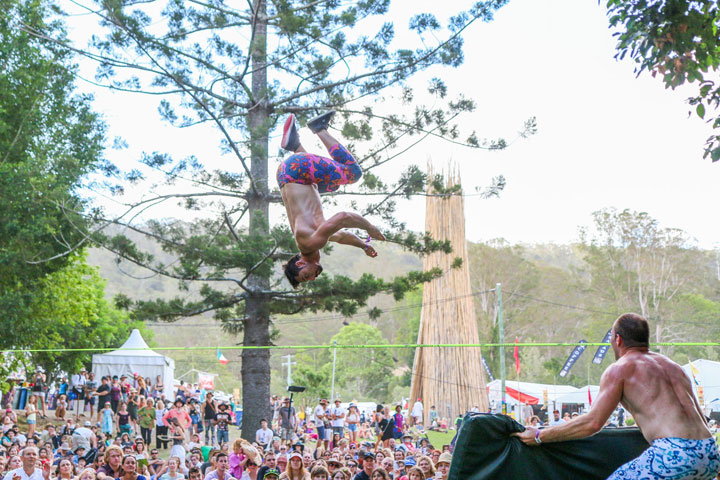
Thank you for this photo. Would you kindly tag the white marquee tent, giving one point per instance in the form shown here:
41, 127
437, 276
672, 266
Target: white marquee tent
526, 392
134, 357
708, 377
578, 397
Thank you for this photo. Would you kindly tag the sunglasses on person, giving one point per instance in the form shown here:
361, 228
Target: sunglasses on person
351, 465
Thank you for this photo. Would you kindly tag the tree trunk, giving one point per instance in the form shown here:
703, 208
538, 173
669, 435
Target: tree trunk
256, 363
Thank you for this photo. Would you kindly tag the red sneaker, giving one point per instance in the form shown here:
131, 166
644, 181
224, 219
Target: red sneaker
291, 137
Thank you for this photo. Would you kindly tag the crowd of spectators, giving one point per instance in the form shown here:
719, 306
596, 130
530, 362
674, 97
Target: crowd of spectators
105, 430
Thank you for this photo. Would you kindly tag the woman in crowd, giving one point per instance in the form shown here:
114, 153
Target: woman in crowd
352, 419
161, 431
65, 470
129, 469
295, 469
133, 405
122, 419
415, 474
146, 420
87, 474
426, 466
115, 394
61, 407
14, 462
443, 465
251, 471
142, 389
319, 472
31, 412
158, 388
380, 474
342, 474
125, 440
177, 434
171, 471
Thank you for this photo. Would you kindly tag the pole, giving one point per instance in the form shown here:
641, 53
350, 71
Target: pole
332, 388
501, 334
289, 365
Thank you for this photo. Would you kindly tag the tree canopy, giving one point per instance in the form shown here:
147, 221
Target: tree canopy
678, 40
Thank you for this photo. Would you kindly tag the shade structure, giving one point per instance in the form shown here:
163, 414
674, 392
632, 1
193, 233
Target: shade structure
451, 379
527, 392
579, 397
135, 357
708, 378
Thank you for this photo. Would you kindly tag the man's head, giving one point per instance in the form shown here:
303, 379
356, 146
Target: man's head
195, 474
221, 461
556, 414
369, 463
270, 459
263, 424
630, 330
300, 269
29, 457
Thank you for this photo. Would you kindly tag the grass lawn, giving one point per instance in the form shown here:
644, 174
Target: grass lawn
439, 439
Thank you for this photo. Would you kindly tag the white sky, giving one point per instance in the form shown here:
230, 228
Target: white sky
605, 139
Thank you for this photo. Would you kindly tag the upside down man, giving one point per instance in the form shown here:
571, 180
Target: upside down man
301, 178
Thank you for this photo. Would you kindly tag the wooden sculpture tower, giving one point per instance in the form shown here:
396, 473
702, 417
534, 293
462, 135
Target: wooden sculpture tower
451, 378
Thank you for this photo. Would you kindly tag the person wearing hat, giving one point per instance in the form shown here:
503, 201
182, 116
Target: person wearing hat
368, 465
353, 418
443, 464
288, 422
337, 415
320, 418
407, 444
222, 420
333, 465
295, 469
178, 411
84, 437
271, 474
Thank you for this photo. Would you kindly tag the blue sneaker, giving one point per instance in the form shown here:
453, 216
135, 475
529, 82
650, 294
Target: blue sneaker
321, 122
291, 137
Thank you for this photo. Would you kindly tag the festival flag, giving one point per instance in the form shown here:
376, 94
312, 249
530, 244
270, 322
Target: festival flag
221, 358
574, 355
487, 368
602, 349
694, 372
206, 381
589, 396
516, 354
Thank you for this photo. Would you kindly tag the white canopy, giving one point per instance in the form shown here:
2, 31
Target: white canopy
135, 357
708, 377
580, 396
526, 392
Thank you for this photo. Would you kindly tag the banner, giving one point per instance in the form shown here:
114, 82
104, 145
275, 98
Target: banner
516, 354
487, 369
602, 350
206, 381
574, 355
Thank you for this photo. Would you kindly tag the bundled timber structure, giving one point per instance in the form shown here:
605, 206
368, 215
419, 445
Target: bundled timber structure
452, 379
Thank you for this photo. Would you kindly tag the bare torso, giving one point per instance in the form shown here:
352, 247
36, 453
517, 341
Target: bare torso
659, 395
304, 211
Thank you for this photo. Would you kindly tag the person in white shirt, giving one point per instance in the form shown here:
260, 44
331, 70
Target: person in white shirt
556, 419
417, 412
264, 435
320, 417
28, 471
337, 414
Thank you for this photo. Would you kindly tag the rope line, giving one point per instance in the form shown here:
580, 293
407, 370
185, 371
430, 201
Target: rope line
380, 346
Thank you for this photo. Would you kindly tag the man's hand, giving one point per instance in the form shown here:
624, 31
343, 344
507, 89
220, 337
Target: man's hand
527, 437
370, 251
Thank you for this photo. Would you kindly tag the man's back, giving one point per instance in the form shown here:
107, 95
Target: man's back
659, 395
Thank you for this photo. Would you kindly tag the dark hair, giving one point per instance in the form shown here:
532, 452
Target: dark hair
193, 471
319, 470
220, 455
633, 329
292, 270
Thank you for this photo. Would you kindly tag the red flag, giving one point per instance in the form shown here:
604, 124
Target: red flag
516, 354
589, 396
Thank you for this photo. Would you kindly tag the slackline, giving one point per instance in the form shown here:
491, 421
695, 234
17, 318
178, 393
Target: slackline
381, 346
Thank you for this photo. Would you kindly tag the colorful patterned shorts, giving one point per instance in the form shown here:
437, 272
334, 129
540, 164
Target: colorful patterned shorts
673, 459
327, 173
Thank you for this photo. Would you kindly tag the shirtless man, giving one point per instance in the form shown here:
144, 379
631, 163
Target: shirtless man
301, 178
659, 395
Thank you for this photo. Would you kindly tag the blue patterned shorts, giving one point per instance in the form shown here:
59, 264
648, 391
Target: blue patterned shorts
673, 459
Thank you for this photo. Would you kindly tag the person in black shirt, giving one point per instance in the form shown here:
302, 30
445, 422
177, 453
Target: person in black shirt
103, 395
222, 420
368, 467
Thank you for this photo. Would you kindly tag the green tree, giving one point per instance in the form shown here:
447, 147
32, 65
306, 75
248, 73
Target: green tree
241, 69
678, 40
69, 310
363, 373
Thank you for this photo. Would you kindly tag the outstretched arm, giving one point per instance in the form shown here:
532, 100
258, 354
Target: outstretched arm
329, 227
